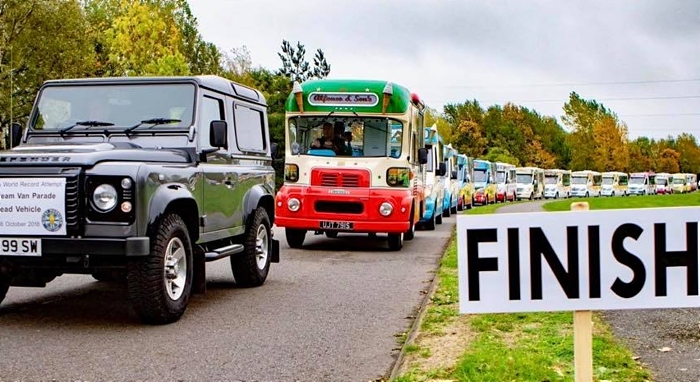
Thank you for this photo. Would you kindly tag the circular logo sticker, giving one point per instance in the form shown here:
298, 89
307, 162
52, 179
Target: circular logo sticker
52, 220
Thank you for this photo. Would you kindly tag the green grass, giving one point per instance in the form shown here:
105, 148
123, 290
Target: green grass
523, 346
649, 201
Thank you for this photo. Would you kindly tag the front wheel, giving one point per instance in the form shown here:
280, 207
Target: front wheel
159, 285
295, 237
250, 268
395, 241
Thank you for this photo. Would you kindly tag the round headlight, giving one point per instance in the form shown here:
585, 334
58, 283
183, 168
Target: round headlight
104, 197
385, 209
293, 204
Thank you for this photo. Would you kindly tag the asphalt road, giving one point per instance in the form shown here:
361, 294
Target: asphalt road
667, 341
328, 312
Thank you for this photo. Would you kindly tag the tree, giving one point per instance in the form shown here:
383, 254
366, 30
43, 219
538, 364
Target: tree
39, 40
689, 152
641, 153
611, 151
145, 40
296, 68
668, 161
497, 154
469, 139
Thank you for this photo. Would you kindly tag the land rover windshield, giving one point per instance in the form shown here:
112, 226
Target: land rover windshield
114, 106
354, 136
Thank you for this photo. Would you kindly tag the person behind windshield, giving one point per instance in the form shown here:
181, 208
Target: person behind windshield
326, 140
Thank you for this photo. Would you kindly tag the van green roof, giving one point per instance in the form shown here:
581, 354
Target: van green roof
343, 89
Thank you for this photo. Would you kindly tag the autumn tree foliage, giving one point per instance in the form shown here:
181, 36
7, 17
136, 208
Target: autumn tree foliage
668, 161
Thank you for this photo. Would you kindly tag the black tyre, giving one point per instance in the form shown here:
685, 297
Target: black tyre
470, 205
395, 241
295, 237
430, 224
447, 212
438, 218
454, 210
4, 286
160, 285
250, 268
411, 232
331, 234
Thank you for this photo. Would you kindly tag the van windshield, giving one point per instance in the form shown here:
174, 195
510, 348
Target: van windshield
637, 180
356, 136
480, 176
608, 180
550, 179
579, 180
500, 177
523, 178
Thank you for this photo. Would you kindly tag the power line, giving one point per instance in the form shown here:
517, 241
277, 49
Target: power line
556, 84
599, 99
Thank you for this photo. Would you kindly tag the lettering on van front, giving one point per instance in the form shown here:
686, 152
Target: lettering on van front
343, 99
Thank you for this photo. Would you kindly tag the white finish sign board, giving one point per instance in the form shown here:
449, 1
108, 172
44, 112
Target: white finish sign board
32, 206
582, 260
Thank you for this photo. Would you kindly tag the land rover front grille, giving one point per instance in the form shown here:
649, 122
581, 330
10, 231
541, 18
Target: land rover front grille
72, 204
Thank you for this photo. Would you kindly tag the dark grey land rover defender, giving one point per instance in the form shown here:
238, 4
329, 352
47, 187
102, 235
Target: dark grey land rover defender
142, 179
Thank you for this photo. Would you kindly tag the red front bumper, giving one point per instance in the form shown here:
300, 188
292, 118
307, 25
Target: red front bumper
501, 196
359, 206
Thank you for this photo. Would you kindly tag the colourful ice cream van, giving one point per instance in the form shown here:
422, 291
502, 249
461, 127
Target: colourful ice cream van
507, 190
354, 155
435, 171
484, 182
451, 183
465, 171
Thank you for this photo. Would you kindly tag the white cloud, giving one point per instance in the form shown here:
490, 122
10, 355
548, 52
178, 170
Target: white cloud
533, 53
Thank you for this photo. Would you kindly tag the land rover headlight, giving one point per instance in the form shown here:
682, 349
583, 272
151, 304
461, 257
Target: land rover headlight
104, 197
293, 204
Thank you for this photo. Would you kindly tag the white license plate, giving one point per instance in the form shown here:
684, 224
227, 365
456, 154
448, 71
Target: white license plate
16, 246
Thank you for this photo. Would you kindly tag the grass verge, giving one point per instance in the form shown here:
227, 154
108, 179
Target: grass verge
518, 346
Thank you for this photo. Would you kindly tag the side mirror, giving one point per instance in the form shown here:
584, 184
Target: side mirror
422, 155
16, 130
453, 175
218, 132
442, 169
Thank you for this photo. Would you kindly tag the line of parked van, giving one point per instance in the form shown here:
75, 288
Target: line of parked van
456, 182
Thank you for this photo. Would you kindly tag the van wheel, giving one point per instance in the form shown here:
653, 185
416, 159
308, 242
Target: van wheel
395, 241
532, 196
470, 205
586, 193
430, 224
295, 237
438, 218
331, 234
411, 232
159, 285
250, 268
447, 212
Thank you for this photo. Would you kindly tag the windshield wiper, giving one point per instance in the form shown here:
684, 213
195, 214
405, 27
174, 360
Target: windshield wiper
84, 123
153, 122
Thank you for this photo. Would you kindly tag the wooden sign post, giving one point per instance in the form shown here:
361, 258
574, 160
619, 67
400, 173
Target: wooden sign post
583, 332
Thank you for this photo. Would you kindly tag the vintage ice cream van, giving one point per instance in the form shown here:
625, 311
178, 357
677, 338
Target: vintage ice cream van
435, 171
615, 183
642, 183
663, 183
530, 182
507, 190
354, 155
451, 183
465, 168
557, 183
679, 183
484, 182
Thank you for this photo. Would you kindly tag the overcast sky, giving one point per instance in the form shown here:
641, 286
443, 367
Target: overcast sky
639, 58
